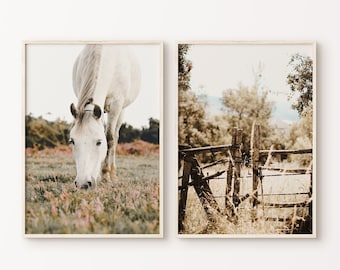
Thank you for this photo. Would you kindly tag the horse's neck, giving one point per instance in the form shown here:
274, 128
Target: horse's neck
99, 97
113, 76
103, 78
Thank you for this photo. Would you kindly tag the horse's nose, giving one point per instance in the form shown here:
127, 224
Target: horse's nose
87, 185
83, 186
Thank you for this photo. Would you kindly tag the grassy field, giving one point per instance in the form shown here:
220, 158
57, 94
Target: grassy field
268, 219
54, 206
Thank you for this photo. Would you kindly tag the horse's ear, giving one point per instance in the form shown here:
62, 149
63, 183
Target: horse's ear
97, 112
74, 110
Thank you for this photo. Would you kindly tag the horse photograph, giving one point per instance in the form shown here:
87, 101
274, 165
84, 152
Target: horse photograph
93, 152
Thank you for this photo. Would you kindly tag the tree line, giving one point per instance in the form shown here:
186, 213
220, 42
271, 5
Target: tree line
244, 105
42, 133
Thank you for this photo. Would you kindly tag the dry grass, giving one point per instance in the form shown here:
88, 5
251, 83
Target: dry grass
53, 205
268, 219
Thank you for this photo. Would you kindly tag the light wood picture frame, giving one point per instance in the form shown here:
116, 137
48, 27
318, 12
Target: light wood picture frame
247, 139
66, 193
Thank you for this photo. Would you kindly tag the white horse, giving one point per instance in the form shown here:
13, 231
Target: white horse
105, 78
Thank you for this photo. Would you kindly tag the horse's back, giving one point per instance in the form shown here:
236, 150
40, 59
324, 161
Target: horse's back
122, 75
108, 73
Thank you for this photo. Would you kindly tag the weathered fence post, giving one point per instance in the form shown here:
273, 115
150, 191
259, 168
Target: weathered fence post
184, 191
228, 194
204, 192
232, 199
310, 204
255, 156
237, 171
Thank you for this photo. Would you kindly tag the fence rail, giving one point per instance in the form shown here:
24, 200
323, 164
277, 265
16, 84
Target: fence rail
193, 177
212, 149
285, 152
287, 170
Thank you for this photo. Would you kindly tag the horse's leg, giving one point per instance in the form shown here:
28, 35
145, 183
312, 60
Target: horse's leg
112, 133
115, 141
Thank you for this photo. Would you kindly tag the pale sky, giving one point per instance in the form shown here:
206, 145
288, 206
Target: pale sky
219, 67
49, 91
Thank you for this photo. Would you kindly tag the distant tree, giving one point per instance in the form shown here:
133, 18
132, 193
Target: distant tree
194, 127
184, 68
192, 122
151, 134
245, 105
301, 137
128, 133
62, 129
301, 132
217, 130
45, 134
300, 80
48, 134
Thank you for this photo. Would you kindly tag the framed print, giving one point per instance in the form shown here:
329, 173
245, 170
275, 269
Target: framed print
247, 139
93, 138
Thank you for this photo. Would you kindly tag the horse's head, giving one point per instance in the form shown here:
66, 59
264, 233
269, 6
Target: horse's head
88, 141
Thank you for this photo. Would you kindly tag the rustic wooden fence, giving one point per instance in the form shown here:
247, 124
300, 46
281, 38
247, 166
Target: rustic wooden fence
193, 171
192, 176
257, 182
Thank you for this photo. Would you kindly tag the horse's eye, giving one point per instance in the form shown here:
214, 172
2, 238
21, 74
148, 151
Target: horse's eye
99, 142
71, 141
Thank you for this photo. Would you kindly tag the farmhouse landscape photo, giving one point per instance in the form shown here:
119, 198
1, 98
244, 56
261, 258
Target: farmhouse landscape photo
246, 139
93, 139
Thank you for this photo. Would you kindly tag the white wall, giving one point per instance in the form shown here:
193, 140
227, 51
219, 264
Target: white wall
169, 21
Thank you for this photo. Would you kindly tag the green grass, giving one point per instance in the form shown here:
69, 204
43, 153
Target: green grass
130, 205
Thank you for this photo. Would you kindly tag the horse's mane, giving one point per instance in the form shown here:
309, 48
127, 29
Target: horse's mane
86, 68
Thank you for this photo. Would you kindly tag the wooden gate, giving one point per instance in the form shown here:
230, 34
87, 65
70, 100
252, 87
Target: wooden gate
193, 176
304, 223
